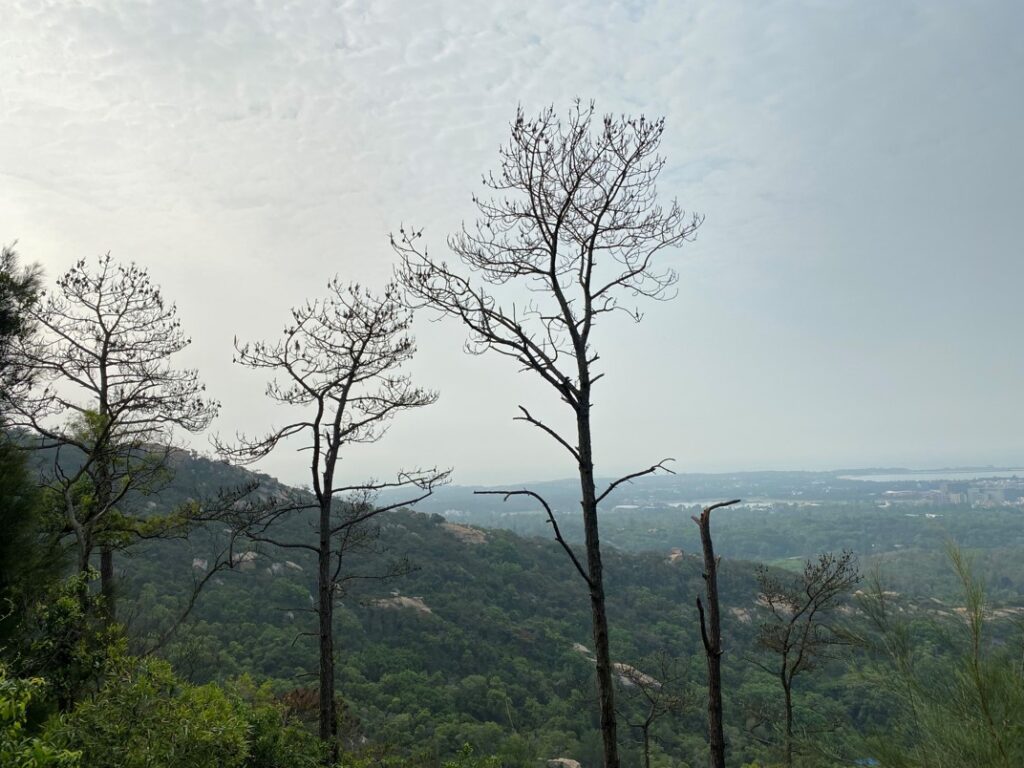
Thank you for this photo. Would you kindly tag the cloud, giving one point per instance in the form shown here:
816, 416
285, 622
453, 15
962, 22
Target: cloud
858, 163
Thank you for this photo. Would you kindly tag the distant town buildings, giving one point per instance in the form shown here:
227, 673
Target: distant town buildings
987, 493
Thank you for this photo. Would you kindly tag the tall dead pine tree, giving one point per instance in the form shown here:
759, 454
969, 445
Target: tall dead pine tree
572, 230
338, 364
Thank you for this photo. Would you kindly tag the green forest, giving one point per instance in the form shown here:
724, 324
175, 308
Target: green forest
482, 640
165, 606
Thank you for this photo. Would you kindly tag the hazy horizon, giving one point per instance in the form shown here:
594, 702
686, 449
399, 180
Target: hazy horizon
853, 299
852, 472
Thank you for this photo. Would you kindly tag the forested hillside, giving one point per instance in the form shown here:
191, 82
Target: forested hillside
483, 637
479, 636
483, 641
453, 635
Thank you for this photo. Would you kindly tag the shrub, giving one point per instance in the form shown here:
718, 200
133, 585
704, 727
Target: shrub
17, 748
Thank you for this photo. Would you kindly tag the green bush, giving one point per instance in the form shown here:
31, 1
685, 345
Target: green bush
65, 638
275, 741
145, 717
17, 748
466, 759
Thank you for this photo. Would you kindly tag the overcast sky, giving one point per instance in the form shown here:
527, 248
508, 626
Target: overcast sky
855, 296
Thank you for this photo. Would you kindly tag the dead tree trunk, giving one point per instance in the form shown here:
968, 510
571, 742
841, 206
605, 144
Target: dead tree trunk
104, 492
788, 691
328, 722
711, 635
599, 615
103, 487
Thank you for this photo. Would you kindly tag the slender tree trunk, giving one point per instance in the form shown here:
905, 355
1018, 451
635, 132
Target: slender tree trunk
325, 611
711, 634
647, 746
787, 689
595, 571
103, 494
107, 583
84, 556
84, 547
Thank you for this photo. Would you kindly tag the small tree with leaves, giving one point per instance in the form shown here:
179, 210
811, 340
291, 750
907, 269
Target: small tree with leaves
646, 697
20, 287
25, 553
800, 630
574, 223
338, 366
108, 402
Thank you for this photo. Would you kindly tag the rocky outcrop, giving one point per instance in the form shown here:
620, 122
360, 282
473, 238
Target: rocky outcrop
402, 601
465, 533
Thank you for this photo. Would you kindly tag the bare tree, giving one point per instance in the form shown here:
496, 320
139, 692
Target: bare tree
711, 635
799, 631
110, 401
574, 220
651, 696
339, 363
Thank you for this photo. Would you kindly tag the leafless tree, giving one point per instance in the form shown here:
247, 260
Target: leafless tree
574, 221
711, 635
108, 402
799, 630
338, 363
646, 698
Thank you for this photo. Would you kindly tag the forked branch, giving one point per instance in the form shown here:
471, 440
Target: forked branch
633, 476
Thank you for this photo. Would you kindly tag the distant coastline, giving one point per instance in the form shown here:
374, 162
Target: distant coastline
951, 473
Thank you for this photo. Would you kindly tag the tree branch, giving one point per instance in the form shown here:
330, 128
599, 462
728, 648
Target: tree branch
537, 423
634, 475
551, 519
